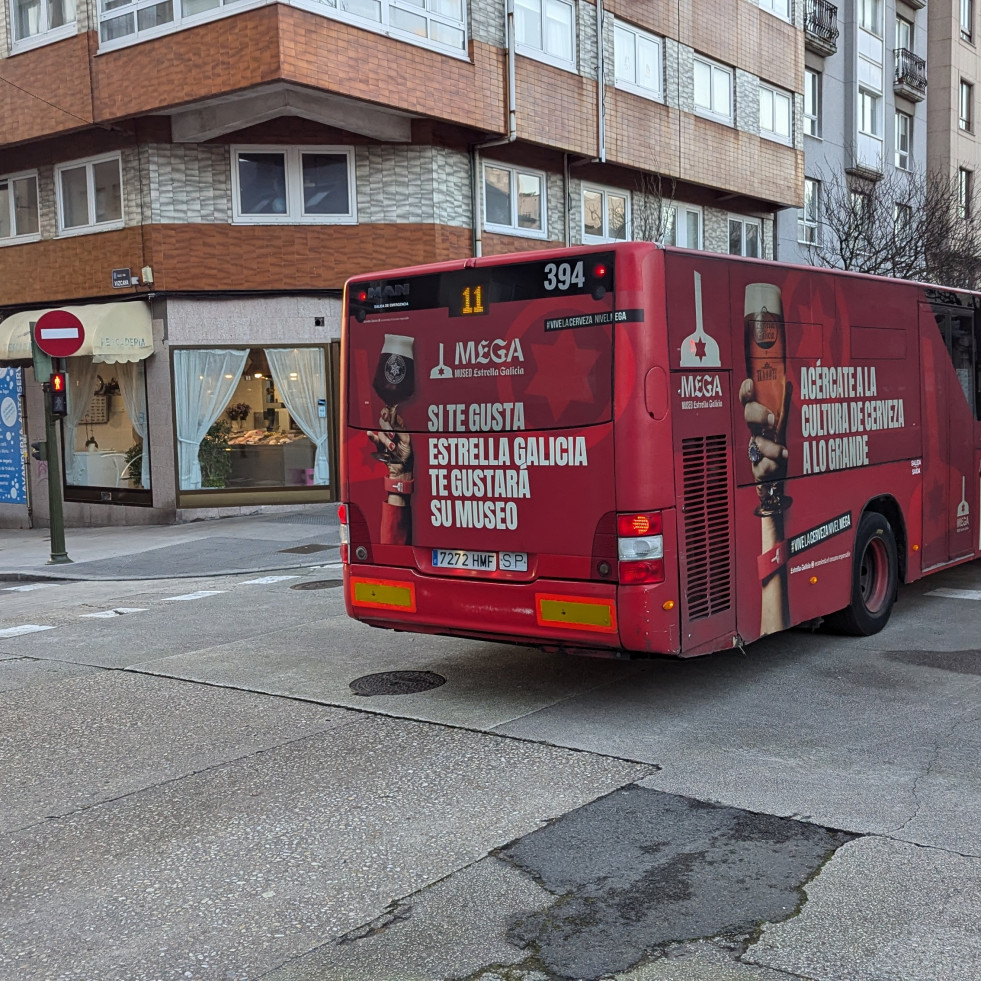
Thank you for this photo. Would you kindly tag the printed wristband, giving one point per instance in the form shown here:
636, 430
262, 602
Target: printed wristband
400, 485
770, 563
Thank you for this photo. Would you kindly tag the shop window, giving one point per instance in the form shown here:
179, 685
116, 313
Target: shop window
89, 194
249, 419
293, 184
105, 431
18, 207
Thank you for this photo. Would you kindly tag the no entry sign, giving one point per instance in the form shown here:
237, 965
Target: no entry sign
59, 333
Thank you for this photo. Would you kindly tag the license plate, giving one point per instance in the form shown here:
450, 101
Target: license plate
458, 558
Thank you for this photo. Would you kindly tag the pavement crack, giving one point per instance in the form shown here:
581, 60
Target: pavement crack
398, 912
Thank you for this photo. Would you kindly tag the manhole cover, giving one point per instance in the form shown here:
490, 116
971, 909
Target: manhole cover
317, 584
307, 549
396, 683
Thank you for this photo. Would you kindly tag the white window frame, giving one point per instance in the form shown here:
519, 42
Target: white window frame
605, 193
965, 192
540, 51
902, 219
625, 34
904, 140
965, 106
870, 16
44, 34
870, 113
779, 8
382, 24
676, 217
768, 126
16, 238
904, 34
744, 223
966, 20
514, 228
809, 225
293, 167
812, 103
92, 225
716, 70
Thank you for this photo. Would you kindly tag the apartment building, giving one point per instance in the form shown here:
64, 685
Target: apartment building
865, 114
194, 180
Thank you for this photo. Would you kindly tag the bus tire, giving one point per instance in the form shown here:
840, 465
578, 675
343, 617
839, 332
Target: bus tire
875, 579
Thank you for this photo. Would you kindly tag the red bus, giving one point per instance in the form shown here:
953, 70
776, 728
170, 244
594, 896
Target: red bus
634, 450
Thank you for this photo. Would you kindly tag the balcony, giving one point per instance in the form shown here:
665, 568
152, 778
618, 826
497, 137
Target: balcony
911, 80
821, 27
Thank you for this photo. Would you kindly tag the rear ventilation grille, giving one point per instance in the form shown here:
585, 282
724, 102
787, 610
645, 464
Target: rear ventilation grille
708, 538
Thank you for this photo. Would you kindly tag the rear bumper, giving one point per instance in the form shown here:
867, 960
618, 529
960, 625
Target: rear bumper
544, 613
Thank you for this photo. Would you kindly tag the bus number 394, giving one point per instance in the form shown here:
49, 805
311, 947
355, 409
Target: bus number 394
562, 275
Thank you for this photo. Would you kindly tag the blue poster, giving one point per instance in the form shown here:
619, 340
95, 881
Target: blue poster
13, 483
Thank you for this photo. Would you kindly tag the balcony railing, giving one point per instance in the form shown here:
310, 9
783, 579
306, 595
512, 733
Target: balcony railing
821, 27
911, 80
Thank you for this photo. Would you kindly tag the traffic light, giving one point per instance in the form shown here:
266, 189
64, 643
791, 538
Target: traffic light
59, 393
39, 449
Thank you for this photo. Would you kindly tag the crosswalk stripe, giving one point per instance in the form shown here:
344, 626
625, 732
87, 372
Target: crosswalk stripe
117, 612
968, 594
24, 628
28, 587
266, 579
200, 594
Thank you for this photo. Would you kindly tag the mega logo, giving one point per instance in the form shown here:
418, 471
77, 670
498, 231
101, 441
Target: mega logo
486, 352
701, 386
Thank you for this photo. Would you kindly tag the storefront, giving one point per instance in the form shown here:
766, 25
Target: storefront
186, 403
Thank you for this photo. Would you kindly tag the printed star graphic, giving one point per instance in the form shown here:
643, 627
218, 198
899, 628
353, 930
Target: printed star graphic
699, 349
567, 375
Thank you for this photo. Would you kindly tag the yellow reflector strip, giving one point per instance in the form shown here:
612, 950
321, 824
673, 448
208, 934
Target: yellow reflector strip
576, 611
380, 593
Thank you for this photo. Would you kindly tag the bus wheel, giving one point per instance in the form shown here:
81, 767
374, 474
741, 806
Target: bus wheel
875, 578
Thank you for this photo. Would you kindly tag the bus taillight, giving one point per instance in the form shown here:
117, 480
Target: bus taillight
345, 533
640, 548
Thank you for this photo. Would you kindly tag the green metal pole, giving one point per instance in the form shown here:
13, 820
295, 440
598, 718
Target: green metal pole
58, 553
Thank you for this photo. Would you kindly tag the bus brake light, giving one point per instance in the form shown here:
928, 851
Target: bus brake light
640, 548
637, 525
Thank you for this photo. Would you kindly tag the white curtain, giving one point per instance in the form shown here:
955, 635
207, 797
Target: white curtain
132, 388
301, 382
82, 373
203, 385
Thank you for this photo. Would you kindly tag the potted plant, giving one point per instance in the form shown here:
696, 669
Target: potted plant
238, 412
214, 455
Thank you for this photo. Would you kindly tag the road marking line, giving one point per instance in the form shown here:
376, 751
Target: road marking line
266, 579
971, 594
24, 628
117, 612
28, 587
200, 594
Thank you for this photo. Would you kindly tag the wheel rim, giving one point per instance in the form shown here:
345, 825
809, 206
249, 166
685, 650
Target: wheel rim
873, 575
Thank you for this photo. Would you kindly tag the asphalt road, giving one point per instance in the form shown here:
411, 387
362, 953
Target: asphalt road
192, 789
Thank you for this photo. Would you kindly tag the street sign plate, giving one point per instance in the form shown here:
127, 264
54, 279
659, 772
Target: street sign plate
59, 333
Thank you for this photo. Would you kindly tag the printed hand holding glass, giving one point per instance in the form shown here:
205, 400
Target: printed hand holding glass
766, 366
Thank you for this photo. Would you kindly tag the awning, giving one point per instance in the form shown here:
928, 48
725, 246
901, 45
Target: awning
114, 332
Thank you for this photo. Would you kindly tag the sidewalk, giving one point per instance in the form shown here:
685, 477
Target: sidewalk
269, 541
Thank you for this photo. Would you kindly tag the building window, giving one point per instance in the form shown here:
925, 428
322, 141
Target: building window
967, 19
776, 112
514, 201
32, 18
682, 225
713, 90
869, 119
745, 236
965, 192
18, 207
812, 102
904, 34
605, 214
809, 217
902, 217
546, 27
965, 106
779, 7
436, 22
870, 16
638, 61
90, 194
290, 185
904, 139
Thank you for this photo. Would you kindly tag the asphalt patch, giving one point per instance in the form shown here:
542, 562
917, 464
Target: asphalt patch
957, 662
639, 870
